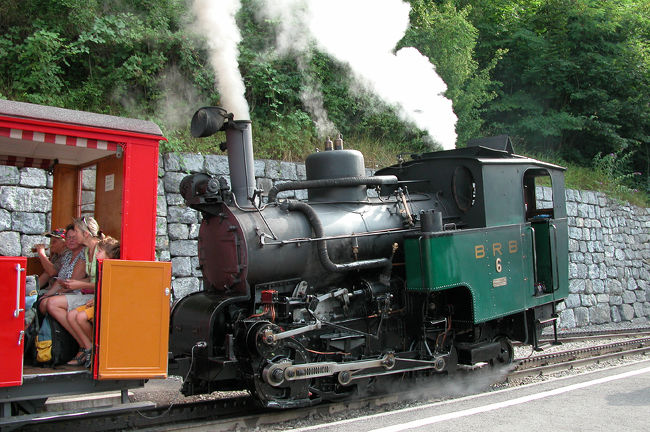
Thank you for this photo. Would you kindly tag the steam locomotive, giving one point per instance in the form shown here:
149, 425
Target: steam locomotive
430, 263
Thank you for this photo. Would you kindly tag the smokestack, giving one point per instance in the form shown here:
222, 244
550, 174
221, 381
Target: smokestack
239, 142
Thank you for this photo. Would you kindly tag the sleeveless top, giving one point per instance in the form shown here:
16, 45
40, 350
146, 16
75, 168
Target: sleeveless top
91, 265
68, 263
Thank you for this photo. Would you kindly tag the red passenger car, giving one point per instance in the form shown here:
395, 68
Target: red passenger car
133, 293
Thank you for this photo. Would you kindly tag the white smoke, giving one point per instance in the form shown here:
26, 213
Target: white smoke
363, 34
215, 20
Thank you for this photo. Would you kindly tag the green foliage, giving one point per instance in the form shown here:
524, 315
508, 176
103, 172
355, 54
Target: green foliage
574, 75
570, 78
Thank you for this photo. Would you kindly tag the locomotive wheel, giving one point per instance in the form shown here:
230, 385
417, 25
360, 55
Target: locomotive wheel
506, 354
288, 394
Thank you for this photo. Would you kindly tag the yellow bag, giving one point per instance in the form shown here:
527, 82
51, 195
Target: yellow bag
43, 350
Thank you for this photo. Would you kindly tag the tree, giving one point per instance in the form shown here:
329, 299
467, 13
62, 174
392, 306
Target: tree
443, 32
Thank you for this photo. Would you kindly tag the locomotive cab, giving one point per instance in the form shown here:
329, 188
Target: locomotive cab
132, 293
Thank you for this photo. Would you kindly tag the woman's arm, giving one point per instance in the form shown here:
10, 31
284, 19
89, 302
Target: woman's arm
73, 285
45, 261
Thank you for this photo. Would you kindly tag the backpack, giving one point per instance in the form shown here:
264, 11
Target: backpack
53, 344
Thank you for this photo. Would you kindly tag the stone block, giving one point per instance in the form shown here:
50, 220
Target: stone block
161, 187
161, 226
164, 255
9, 175
272, 169
162, 242
172, 181
599, 314
572, 301
161, 207
88, 197
183, 248
572, 209
575, 233
172, 162
191, 162
181, 266
33, 177
28, 223
639, 312
587, 300
5, 220
581, 316
89, 178
260, 168
177, 214
178, 231
302, 194
616, 300
631, 284
613, 286
10, 244
567, 319
196, 271
583, 210
216, 165
174, 199
28, 241
24, 199
301, 171
161, 165
615, 314
627, 312
185, 286
640, 296
629, 297
598, 286
288, 171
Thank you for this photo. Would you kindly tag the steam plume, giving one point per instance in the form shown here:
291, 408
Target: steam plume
215, 19
364, 33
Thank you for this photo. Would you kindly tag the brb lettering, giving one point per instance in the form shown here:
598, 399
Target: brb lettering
480, 251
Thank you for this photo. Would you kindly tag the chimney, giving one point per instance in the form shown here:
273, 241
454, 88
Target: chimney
239, 143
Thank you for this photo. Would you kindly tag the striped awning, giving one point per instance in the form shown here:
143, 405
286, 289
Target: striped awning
26, 162
58, 139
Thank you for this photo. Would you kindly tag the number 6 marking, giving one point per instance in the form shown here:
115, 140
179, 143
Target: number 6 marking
499, 267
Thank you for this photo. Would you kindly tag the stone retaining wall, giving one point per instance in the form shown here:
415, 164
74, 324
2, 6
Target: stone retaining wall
609, 242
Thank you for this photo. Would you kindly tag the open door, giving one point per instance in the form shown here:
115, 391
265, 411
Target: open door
12, 320
108, 195
132, 328
540, 213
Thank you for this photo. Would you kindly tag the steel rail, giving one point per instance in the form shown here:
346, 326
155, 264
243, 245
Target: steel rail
553, 362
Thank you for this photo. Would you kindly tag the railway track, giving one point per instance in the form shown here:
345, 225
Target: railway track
241, 413
564, 360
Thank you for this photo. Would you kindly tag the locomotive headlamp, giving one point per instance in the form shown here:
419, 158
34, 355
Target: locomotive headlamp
208, 121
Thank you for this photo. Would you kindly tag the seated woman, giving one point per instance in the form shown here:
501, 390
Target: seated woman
81, 317
72, 267
78, 292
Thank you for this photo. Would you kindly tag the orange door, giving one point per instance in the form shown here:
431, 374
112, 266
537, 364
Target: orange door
133, 319
12, 320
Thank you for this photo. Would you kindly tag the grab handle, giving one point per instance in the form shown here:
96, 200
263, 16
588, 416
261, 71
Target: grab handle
18, 308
